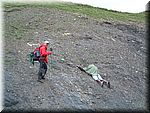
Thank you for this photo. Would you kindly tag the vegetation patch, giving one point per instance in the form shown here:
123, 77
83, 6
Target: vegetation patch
98, 13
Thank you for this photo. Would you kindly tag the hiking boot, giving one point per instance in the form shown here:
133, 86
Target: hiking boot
40, 81
108, 84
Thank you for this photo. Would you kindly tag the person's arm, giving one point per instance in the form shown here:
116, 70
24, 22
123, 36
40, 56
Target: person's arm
44, 52
81, 68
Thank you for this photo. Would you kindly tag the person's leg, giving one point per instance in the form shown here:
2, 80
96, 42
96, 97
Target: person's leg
45, 70
40, 70
103, 81
100, 79
107, 83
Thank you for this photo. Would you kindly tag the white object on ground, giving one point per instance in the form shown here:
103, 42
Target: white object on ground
31, 44
66, 34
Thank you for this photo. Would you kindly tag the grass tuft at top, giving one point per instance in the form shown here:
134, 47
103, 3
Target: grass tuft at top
98, 13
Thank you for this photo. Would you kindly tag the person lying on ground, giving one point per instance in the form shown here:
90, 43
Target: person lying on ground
92, 70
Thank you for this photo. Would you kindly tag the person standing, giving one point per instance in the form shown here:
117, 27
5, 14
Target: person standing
43, 60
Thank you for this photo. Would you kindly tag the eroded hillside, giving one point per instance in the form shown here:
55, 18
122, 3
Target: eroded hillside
117, 49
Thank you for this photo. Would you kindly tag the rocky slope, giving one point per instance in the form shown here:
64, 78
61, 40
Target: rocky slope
118, 49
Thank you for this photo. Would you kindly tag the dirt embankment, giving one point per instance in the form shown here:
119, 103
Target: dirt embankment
117, 49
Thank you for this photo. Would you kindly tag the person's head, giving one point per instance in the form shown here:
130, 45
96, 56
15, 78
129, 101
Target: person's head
46, 43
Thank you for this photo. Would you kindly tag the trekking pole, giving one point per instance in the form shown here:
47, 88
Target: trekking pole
50, 64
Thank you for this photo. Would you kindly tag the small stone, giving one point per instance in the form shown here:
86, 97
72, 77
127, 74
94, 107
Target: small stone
67, 34
30, 67
93, 102
90, 104
104, 74
125, 78
113, 39
78, 90
136, 71
36, 32
133, 41
98, 97
132, 67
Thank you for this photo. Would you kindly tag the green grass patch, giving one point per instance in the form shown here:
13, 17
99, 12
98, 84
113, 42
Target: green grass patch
16, 30
98, 13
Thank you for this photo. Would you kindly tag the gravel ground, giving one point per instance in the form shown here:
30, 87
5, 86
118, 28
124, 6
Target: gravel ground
118, 49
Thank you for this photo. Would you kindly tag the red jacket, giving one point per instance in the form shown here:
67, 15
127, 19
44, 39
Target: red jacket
44, 53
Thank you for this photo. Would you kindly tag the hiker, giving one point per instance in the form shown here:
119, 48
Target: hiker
92, 71
43, 60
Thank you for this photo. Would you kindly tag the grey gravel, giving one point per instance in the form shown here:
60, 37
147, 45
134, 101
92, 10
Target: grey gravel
118, 49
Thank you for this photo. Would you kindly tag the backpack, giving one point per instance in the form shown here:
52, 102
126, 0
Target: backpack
37, 52
35, 55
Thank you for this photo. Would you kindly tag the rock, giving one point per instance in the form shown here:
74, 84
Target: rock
98, 97
136, 71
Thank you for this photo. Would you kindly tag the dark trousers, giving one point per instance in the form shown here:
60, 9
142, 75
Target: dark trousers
42, 69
